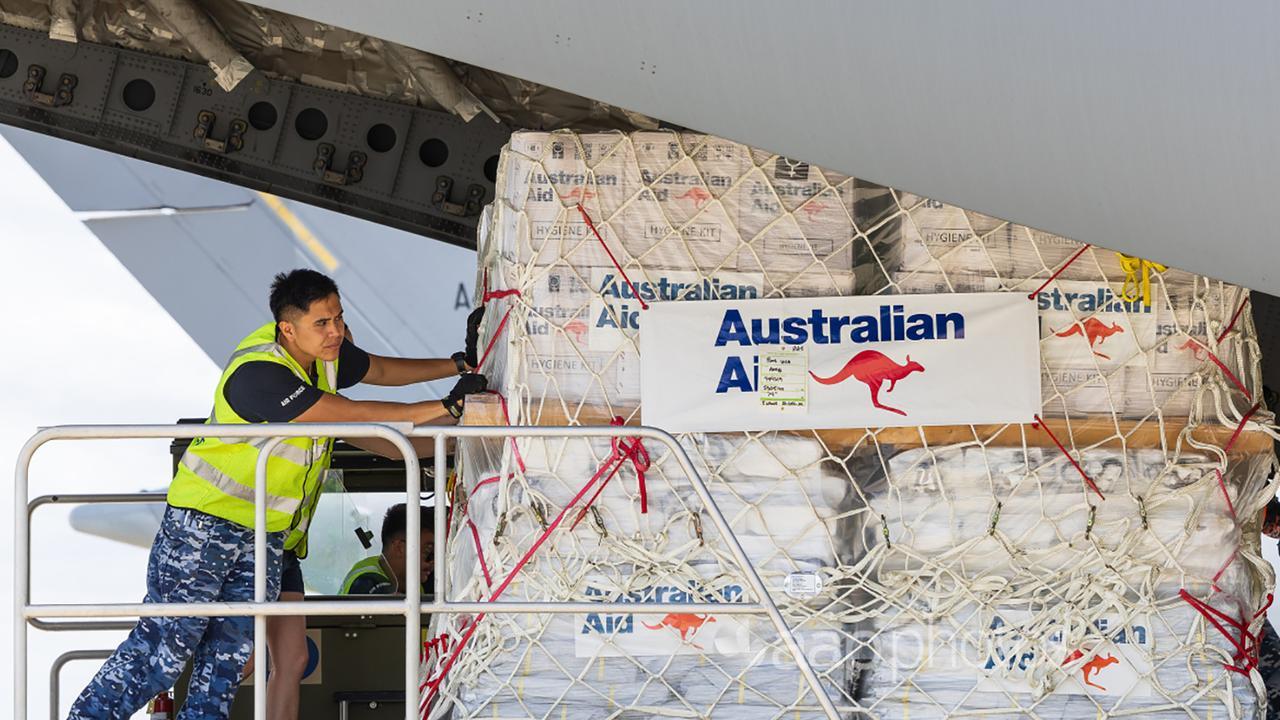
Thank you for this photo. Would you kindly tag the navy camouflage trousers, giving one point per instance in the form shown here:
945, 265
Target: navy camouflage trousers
195, 558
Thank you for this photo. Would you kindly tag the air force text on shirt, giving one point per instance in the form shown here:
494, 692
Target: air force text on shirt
301, 389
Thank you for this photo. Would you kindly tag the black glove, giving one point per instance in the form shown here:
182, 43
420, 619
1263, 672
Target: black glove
473, 336
468, 384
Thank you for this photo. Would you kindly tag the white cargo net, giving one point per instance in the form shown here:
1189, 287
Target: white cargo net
1103, 562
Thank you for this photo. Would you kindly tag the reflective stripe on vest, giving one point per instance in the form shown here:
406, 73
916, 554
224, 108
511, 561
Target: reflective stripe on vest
292, 453
261, 348
223, 482
301, 523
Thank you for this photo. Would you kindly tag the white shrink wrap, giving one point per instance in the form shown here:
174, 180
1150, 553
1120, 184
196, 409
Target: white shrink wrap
784, 505
996, 565
1011, 662
1103, 355
686, 217
920, 578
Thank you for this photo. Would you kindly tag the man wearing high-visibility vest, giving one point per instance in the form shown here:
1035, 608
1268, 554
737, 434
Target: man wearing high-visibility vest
384, 573
287, 371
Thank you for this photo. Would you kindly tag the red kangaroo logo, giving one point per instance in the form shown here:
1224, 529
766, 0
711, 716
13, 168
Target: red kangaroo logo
698, 195
687, 624
576, 328
1095, 331
579, 195
1195, 347
812, 208
873, 368
1093, 667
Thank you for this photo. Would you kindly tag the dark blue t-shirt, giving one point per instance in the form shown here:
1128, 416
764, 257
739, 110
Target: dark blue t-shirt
264, 391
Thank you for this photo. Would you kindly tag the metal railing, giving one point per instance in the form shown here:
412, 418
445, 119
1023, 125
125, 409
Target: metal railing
412, 606
55, 674
137, 498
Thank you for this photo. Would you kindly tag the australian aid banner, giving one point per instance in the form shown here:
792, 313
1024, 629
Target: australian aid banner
861, 361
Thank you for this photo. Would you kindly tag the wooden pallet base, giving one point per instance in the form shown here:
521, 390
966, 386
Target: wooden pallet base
1089, 432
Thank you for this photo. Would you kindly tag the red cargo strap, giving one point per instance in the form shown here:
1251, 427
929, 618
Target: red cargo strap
499, 294
440, 642
1234, 318
485, 296
632, 450
1222, 483
440, 645
1218, 575
475, 532
506, 418
643, 305
1247, 646
496, 334
1221, 366
484, 567
610, 466
1088, 480
1240, 427
1032, 295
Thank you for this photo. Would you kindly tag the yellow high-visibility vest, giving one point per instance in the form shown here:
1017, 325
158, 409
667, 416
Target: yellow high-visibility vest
367, 566
215, 475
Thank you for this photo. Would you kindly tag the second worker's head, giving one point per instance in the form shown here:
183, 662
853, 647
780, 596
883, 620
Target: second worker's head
394, 545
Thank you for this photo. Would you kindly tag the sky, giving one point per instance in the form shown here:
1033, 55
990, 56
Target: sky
86, 344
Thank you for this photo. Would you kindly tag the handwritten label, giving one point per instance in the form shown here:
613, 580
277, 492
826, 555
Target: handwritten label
784, 379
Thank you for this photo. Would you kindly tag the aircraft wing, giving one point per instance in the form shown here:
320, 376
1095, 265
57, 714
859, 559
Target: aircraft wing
131, 524
207, 250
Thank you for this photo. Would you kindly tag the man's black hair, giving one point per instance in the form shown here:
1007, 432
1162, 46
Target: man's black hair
396, 521
297, 289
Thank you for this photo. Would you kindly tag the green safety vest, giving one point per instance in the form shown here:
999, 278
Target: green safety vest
215, 475
367, 566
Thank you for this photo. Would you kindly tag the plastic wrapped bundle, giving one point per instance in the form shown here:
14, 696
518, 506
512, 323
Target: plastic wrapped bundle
1011, 662
690, 217
783, 503
686, 217
1120, 335
642, 662
1104, 355
1035, 568
672, 553
1004, 583
937, 238
1000, 511
549, 670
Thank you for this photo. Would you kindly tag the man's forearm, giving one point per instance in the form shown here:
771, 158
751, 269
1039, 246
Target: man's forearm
427, 412
425, 447
335, 409
407, 371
